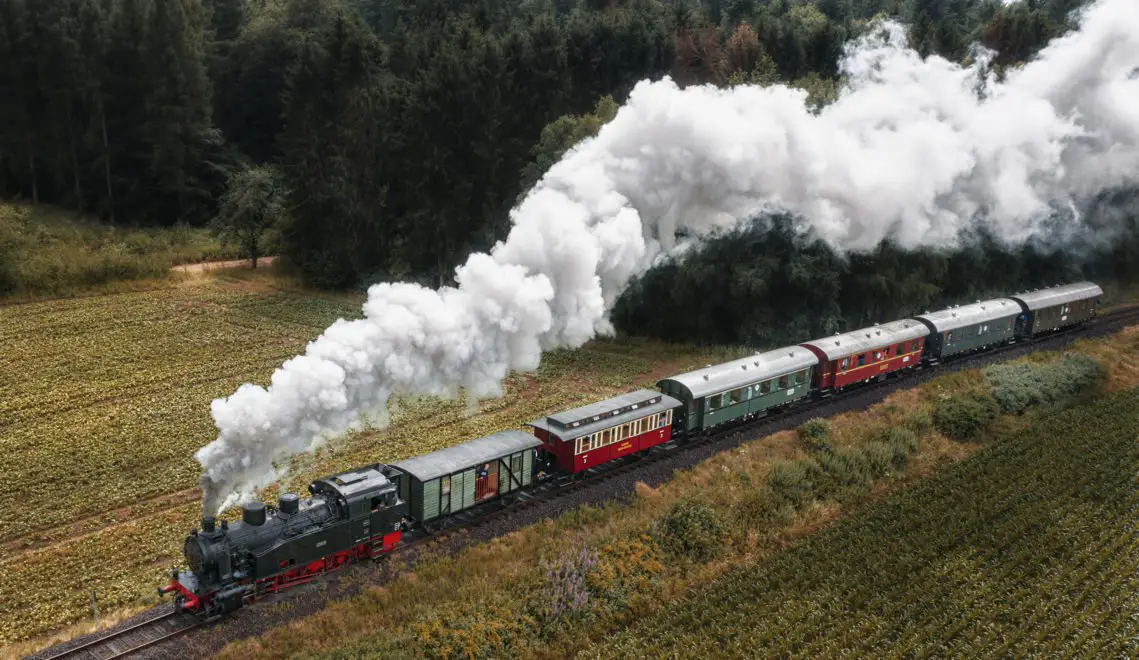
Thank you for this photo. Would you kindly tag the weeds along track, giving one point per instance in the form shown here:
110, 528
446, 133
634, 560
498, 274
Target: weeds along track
609, 481
132, 638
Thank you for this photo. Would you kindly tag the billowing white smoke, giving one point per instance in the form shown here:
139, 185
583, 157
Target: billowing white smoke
910, 150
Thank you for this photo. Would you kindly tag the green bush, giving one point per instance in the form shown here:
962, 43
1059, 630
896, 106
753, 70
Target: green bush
847, 468
691, 529
963, 416
1019, 386
918, 421
815, 434
880, 458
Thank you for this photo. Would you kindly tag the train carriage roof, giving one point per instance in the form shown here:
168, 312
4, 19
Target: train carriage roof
744, 371
966, 315
868, 339
467, 455
353, 484
572, 424
1034, 300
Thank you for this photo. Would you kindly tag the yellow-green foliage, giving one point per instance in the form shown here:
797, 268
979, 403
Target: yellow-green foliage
48, 251
487, 632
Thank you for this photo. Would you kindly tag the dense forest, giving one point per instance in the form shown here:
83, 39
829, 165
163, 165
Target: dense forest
400, 132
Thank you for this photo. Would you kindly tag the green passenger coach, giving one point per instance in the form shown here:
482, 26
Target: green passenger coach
740, 389
967, 328
451, 480
1060, 307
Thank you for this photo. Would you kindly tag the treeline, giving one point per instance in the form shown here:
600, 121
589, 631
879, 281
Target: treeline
403, 129
768, 284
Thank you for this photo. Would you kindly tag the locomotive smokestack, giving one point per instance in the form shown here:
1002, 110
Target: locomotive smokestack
289, 503
253, 513
208, 524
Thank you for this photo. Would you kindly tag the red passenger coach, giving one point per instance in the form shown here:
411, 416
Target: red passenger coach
867, 353
591, 435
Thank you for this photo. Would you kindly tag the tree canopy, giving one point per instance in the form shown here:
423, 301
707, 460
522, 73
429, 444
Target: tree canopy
405, 130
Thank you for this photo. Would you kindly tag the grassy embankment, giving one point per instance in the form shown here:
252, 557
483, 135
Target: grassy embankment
104, 399
1021, 538
45, 251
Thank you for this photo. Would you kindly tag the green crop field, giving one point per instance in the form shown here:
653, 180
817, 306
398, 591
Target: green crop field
104, 400
1028, 548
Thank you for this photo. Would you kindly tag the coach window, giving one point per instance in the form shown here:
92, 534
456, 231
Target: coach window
737, 395
861, 359
783, 382
800, 377
765, 387
845, 363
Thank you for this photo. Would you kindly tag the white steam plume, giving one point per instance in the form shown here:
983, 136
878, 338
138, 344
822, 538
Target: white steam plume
909, 151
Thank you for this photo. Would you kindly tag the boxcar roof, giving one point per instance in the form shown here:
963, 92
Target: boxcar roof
350, 484
1059, 295
745, 371
594, 417
467, 455
966, 315
866, 339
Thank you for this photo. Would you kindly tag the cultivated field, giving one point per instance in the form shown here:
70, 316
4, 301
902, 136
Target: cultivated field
104, 399
1029, 549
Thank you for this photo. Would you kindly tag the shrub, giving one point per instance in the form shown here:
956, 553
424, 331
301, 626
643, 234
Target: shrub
485, 632
1019, 386
845, 469
690, 529
815, 434
794, 482
918, 421
626, 570
880, 457
963, 416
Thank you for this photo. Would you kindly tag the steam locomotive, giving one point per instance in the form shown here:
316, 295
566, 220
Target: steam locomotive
364, 513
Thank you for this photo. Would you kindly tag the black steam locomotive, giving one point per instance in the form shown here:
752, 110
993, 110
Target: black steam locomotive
350, 516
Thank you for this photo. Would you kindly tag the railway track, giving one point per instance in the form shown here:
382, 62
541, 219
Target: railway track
149, 633
134, 638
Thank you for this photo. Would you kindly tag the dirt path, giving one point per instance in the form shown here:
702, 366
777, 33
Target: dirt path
221, 265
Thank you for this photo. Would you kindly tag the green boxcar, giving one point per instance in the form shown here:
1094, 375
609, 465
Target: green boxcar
970, 327
746, 387
451, 480
1056, 308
